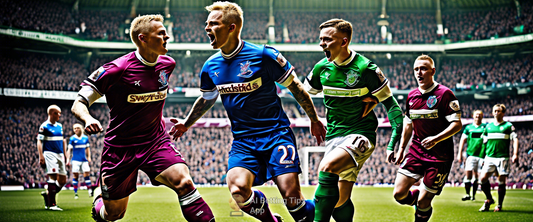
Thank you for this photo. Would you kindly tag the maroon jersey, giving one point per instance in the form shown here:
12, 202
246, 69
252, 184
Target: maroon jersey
135, 92
432, 111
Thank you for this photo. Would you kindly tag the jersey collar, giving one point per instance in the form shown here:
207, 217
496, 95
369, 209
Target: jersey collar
49, 122
140, 58
435, 84
348, 60
237, 50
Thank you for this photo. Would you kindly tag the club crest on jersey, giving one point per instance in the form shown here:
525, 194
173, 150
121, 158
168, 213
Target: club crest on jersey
245, 72
163, 79
351, 78
431, 102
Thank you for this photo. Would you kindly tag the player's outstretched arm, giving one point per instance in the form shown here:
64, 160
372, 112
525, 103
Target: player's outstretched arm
302, 97
79, 109
200, 107
514, 158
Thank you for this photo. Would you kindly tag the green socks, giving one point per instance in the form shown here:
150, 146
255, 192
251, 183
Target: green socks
345, 212
326, 195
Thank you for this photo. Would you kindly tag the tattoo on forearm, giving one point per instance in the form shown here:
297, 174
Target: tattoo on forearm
303, 99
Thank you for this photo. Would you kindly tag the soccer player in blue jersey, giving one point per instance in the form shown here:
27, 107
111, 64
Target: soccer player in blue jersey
264, 147
78, 149
50, 144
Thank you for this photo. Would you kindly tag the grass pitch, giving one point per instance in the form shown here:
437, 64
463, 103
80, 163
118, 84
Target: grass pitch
160, 204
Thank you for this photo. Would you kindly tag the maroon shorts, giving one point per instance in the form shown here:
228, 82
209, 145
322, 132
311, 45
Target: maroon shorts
435, 173
120, 166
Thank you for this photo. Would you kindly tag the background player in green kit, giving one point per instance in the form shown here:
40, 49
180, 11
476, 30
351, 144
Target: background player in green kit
497, 136
474, 161
352, 87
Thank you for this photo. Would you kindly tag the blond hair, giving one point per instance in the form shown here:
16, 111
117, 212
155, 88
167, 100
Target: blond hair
340, 25
51, 107
141, 25
501, 106
231, 13
77, 125
478, 110
426, 57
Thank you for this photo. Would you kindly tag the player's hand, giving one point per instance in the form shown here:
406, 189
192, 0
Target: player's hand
390, 156
42, 162
319, 132
178, 129
514, 159
429, 142
93, 126
459, 158
399, 156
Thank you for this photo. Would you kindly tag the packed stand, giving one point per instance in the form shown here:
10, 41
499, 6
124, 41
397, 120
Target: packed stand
486, 24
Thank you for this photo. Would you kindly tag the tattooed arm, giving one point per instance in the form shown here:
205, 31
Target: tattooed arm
200, 107
302, 97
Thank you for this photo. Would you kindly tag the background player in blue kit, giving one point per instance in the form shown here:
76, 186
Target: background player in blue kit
264, 146
78, 149
50, 144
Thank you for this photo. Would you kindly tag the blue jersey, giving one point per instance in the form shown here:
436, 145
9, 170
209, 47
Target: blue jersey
51, 136
78, 145
246, 80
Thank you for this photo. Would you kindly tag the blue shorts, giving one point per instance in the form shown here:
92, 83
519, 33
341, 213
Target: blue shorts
267, 155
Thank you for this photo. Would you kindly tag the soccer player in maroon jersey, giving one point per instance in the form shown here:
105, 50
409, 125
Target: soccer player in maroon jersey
136, 86
434, 115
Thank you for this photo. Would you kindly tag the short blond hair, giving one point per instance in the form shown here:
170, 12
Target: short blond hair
231, 13
77, 125
426, 57
501, 106
51, 107
141, 24
341, 25
478, 110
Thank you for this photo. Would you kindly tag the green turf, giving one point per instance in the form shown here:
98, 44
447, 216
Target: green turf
160, 204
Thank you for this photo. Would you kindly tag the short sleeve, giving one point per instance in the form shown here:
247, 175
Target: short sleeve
206, 83
451, 107
277, 66
40, 136
377, 83
103, 78
312, 84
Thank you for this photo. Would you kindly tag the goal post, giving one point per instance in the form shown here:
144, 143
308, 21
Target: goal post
304, 155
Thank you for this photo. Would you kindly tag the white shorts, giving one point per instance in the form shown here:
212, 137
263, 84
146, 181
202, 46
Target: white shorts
55, 163
473, 163
499, 164
358, 146
80, 166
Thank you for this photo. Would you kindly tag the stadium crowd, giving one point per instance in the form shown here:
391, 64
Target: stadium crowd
302, 27
206, 149
57, 72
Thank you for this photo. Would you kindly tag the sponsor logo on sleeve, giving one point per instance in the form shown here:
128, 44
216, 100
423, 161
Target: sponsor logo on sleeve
380, 75
281, 60
455, 105
96, 74
245, 87
147, 97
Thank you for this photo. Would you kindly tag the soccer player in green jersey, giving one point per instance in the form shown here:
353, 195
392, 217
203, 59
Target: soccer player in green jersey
352, 86
497, 138
474, 161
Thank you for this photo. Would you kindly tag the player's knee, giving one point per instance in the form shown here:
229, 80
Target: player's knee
183, 185
399, 194
328, 167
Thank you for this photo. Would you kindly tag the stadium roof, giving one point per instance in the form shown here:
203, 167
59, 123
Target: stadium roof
356, 5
